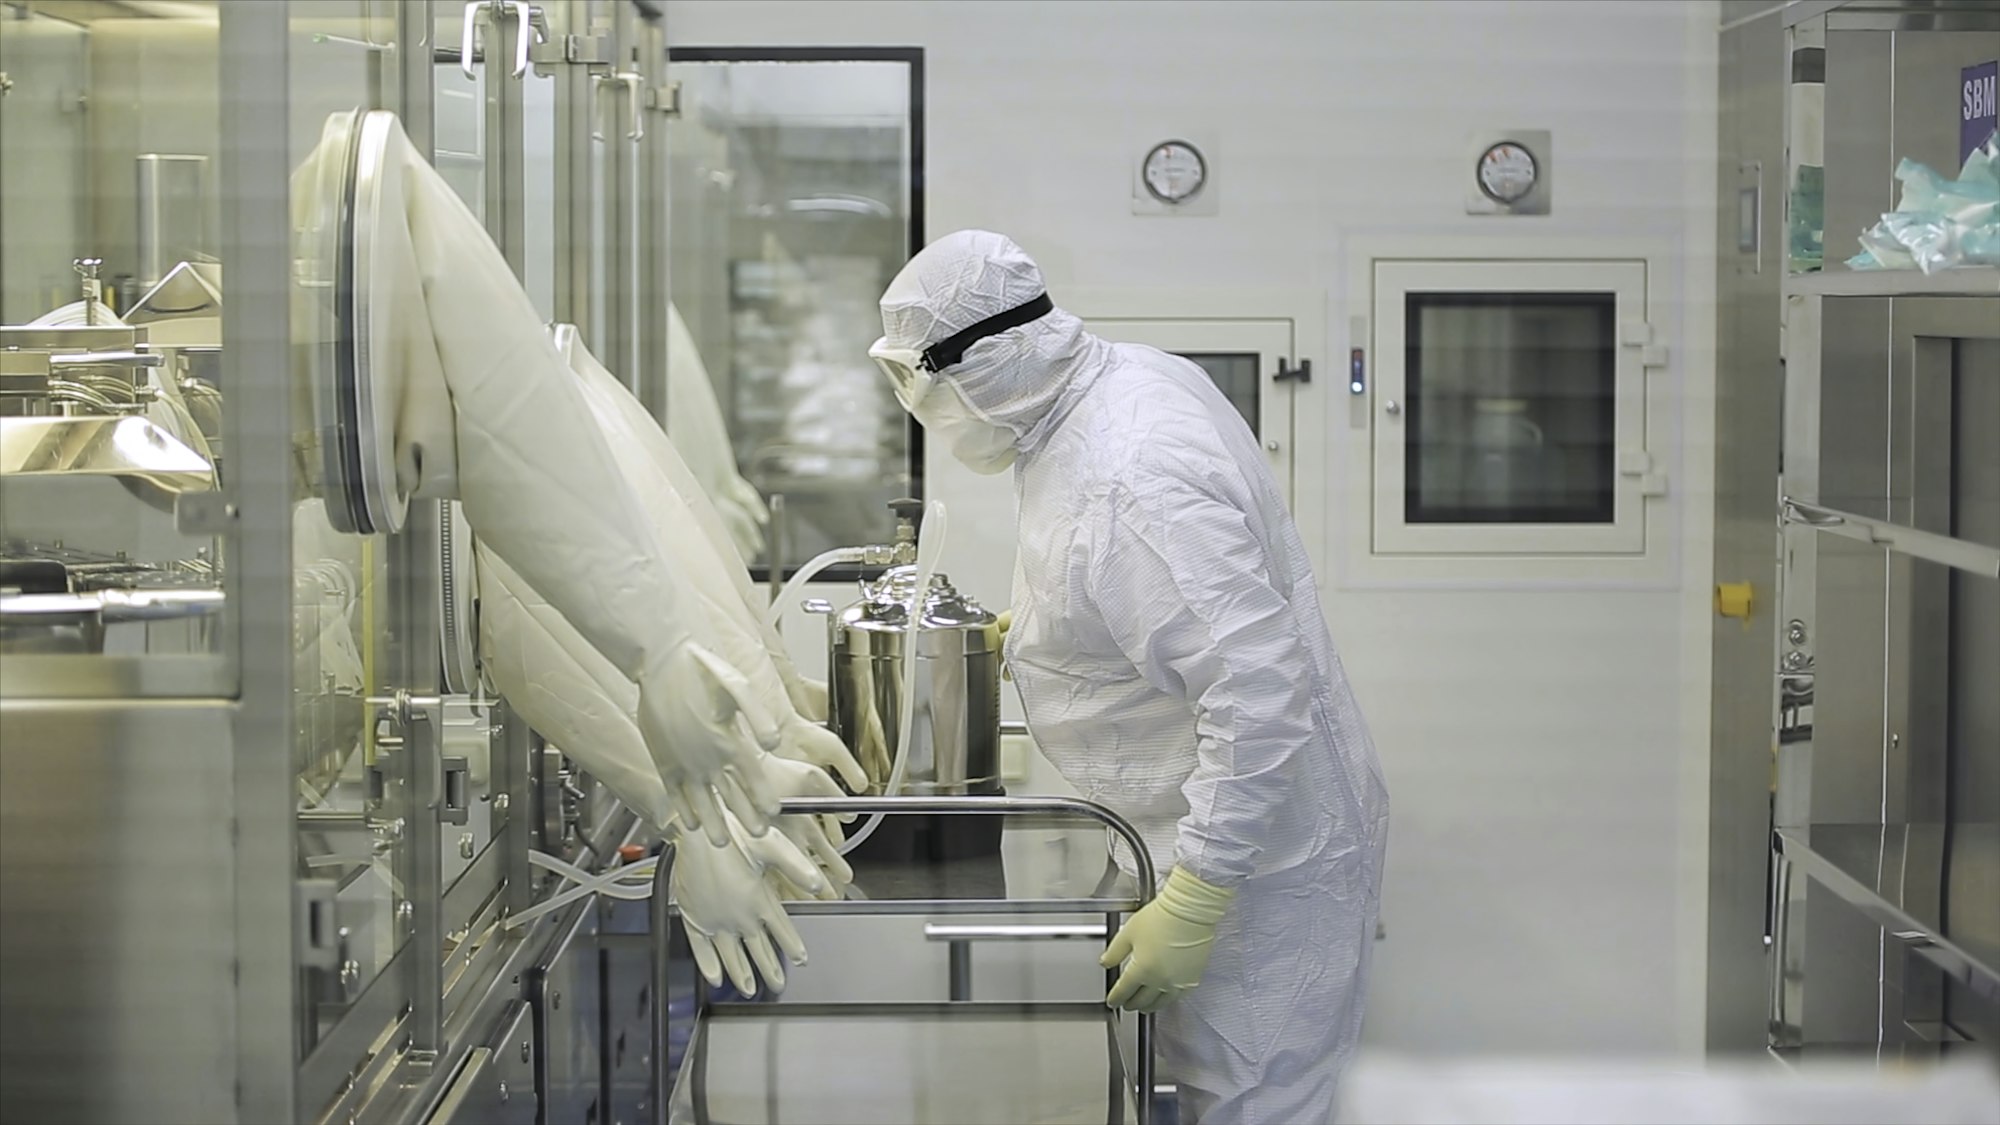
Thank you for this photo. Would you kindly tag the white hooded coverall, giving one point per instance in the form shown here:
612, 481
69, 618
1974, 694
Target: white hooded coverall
1169, 649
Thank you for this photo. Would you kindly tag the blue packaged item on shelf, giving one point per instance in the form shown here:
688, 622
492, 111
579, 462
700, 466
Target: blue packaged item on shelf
1939, 224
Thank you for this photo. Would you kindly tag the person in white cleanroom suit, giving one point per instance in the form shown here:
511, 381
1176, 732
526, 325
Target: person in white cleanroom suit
1167, 642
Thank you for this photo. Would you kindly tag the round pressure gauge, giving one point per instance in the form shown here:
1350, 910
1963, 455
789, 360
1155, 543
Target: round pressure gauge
1175, 171
1507, 172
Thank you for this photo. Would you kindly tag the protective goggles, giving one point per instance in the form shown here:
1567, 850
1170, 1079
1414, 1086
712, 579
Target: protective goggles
913, 372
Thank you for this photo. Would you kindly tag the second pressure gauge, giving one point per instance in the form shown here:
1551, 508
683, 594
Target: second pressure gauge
1507, 172
1175, 171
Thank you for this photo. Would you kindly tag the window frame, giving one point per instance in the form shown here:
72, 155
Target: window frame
913, 58
1395, 281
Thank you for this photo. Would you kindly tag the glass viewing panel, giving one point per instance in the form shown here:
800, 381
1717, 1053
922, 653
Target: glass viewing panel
354, 808
1511, 409
1236, 375
458, 116
110, 338
793, 205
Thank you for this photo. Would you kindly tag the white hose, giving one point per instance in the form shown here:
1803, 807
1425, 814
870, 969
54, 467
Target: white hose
930, 545
776, 614
611, 884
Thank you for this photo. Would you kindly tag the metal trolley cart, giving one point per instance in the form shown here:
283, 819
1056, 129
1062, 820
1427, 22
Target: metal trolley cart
953, 1063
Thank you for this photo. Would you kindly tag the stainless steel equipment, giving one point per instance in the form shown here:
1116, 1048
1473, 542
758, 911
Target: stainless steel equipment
74, 401
955, 739
332, 913
949, 1062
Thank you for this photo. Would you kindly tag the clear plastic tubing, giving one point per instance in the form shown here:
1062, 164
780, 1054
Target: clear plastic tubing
930, 545
611, 883
776, 614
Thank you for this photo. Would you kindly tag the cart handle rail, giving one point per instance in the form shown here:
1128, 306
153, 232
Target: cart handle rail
662, 905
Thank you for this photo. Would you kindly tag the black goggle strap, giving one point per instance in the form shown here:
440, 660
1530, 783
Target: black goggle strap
952, 348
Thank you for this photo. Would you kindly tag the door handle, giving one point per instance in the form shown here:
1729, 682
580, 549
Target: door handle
468, 30
635, 93
528, 22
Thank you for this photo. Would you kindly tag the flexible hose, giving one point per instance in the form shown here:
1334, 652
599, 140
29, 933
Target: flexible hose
776, 614
610, 884
930, 545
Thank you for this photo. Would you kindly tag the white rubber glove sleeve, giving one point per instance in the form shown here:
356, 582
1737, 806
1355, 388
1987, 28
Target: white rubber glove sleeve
541, 491
733, 915
694, 422
751, 603
817, 700
810, 833
672, 501
569, 692
566, 689
783, 888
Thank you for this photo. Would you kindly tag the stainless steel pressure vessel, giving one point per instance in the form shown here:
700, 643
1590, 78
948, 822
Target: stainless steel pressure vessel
955, 740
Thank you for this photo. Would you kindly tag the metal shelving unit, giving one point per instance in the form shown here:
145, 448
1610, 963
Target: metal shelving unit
1883, 925
1970, 281
1864, 864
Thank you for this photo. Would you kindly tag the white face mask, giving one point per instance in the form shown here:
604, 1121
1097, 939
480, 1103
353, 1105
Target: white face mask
978, 444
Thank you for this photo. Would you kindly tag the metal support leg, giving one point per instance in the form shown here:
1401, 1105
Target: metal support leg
779, 547
662, 929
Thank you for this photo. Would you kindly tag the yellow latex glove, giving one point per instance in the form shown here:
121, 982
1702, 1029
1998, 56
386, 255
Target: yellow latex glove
1164, 947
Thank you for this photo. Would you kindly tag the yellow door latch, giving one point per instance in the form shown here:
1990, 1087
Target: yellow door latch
1735, 599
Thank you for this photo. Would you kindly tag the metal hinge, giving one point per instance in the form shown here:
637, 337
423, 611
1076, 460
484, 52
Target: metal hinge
572, 50
1639, 334
1303, 373
1638, 463
665, 99
453, 804
6, 84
